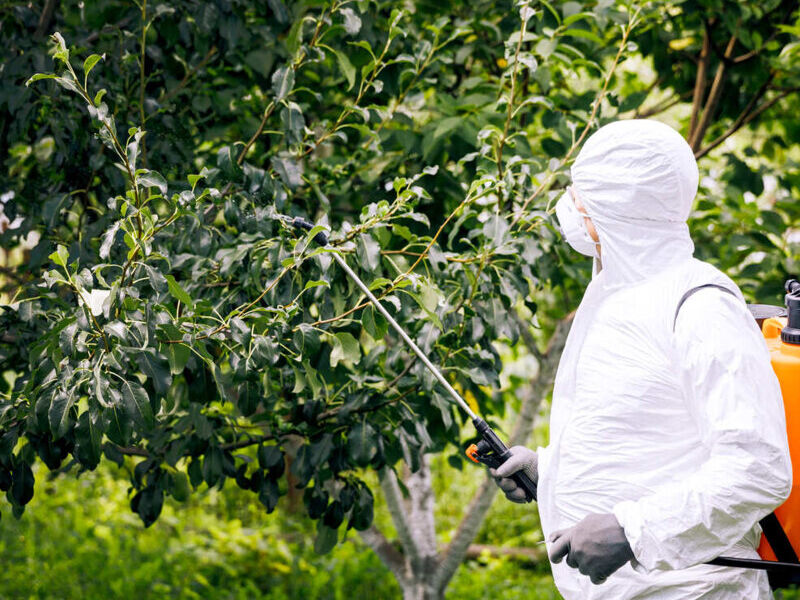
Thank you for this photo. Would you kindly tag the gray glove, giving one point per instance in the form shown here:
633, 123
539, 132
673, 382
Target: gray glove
596, 546
522, 459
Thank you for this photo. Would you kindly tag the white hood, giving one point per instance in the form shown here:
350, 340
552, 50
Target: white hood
637, 180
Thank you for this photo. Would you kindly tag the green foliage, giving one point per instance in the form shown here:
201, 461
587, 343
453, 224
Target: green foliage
218, 545
164, 310
215, 546
180, 321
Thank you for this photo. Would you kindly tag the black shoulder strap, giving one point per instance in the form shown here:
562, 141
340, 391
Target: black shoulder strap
686, 296
777, 538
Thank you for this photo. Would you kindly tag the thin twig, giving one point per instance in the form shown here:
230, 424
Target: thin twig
510, 108
167, 96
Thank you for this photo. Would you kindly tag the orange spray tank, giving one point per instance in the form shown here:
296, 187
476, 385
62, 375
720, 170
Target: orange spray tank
782, 335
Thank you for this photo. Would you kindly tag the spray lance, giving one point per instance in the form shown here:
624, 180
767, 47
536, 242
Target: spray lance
490, 450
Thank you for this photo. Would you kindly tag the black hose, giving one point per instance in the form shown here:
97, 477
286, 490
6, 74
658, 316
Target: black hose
753, 563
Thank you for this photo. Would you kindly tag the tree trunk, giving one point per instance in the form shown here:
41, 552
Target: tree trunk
420, 569
420, 590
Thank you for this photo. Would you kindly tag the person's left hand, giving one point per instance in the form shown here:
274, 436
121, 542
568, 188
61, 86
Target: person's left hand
596, 546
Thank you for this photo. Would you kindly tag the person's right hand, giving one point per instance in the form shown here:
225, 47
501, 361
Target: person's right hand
522, 459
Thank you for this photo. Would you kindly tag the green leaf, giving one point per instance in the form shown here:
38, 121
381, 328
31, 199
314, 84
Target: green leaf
289, 170
58, 415
368, 252
261, 60
7, 443
152, 179
577, 17
193, 179
60, 256
157, 280
66, 338
178, 292
293, 122
445, 126
68, 83
155, 370
374, 322
136, 404
212, 465
268, 494
365, 45
180, 486
495, 229
108, 239
88, 436
362, 515
282, 82
428, 297
360, 443
347, 68
21, 484
228, 164
334, 515
345, 349
299, 381
177, 356
352, 22
39, 76
221, 381
89, 64
269, 456
326, 538
148, 503
60, 51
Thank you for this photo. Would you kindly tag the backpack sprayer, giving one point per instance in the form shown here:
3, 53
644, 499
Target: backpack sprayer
492, 452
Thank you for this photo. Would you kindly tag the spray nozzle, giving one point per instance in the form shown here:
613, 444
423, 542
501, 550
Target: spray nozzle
300, 223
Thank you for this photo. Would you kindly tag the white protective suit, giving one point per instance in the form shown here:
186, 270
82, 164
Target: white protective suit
680, 434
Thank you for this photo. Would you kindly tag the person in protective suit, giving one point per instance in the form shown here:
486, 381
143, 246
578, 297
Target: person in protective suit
667, 430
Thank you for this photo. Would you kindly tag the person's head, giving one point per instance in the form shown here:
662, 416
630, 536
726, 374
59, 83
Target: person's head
636, 181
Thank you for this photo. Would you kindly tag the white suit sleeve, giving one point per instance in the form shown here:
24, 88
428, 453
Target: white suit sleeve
735, 400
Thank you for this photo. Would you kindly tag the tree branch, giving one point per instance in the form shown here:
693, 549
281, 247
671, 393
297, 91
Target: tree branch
529, 555
394, 502
713, 98
422, 523
662, 106
189, 74
700, 81
739, 124
740, 120
45, 18
388, 554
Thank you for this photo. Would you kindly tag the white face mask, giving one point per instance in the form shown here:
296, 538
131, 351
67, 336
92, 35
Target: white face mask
573, 227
